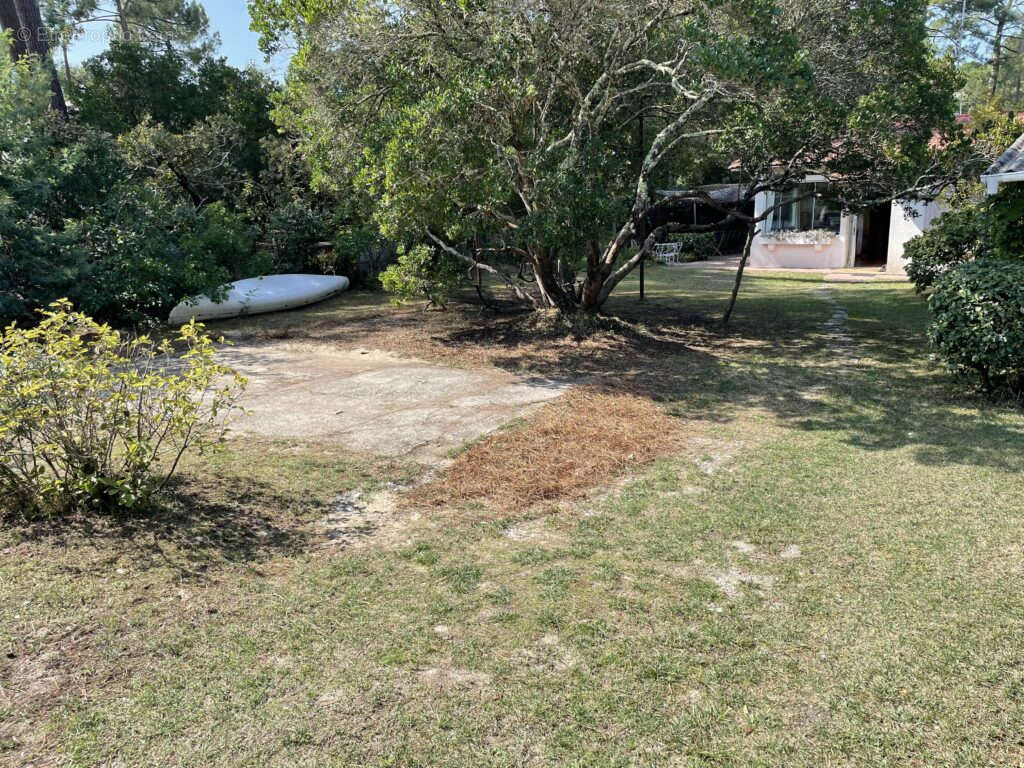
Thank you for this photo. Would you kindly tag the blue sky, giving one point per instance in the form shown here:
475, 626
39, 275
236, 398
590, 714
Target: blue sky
228, 18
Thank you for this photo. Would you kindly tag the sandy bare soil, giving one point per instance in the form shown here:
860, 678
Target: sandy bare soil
375, 401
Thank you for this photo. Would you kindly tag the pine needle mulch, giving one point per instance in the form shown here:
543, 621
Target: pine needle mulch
583, 440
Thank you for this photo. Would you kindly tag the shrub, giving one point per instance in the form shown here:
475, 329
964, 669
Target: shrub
292, 236
90, 421
696, 246
362, 254
137, 269
422, 271
956, 237
978, 323
1006, 222
219, 241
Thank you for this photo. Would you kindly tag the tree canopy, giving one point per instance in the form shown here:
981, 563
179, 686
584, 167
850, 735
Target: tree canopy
986, 39
539, 141
527, 136
168, 179
162, 24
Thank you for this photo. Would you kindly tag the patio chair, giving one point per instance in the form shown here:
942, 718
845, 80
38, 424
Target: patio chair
667, 253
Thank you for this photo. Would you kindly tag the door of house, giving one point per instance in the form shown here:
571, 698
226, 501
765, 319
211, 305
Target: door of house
873, 245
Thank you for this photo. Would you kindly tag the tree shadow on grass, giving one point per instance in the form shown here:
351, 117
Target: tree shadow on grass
613, 354
878, 392
937, 432
190, 529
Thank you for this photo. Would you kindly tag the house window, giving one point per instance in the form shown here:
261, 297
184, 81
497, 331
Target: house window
803, 208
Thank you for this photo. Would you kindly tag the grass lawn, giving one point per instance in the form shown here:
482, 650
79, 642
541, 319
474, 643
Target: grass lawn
826, 569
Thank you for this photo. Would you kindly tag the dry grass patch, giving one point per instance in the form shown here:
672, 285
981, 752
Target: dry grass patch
565, 449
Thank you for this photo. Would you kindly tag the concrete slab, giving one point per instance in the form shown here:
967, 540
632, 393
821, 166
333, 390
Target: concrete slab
373, 401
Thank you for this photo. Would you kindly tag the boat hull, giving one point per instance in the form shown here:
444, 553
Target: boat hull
259, 295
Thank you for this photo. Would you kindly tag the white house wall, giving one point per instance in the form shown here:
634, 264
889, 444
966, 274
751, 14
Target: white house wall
840, 252
770, 253
905, 227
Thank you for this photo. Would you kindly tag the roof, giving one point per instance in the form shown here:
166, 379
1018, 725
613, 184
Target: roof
1011, 161
720, 193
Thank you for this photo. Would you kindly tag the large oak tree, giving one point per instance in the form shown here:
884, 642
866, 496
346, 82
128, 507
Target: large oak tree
528, 137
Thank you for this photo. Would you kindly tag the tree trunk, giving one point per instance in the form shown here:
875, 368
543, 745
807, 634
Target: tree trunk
186, 184
122, 22
64, 54
986, 380
551, 291
590, 296
997, 52
9, 20
38, 44
751, 232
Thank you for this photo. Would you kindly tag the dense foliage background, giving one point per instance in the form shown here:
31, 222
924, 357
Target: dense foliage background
533, 139
156, 170
166, 178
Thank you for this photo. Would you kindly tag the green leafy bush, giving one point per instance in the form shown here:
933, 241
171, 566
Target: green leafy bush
221, 239
292, 236
1006, 222
978, 323
422, 271
168, 180
91, 421
361, 253
696, 246
956, 237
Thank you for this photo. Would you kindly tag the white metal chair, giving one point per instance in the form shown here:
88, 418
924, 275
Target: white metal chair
667, 253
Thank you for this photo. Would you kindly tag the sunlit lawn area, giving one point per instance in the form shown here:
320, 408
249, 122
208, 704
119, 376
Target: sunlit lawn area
827, 570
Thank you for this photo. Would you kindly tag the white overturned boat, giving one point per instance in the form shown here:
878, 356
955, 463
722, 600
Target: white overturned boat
260, 294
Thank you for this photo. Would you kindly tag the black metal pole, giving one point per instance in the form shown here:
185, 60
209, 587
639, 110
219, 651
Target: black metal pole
642, 277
